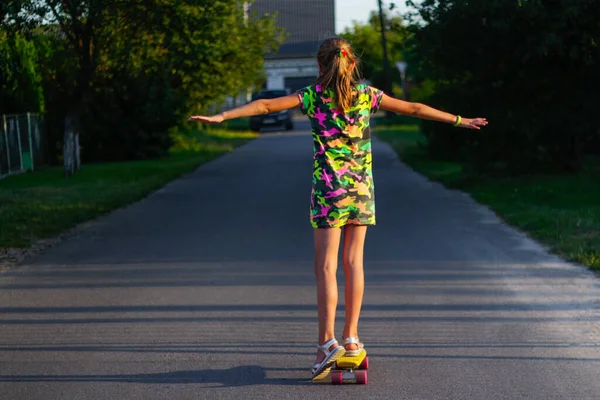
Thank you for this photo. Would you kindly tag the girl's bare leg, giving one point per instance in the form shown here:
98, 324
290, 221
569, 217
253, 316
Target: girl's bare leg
327, 245
354, 244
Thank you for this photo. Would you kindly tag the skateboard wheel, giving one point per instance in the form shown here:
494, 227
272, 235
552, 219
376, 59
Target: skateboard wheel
364, 364
361, 377
337, 377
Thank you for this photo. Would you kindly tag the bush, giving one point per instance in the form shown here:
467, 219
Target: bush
530, 67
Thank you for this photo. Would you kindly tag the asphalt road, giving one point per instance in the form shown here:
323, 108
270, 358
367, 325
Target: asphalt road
205, 290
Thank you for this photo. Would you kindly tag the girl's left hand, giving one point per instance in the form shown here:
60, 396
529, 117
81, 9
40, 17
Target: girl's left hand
213, 119
475, 123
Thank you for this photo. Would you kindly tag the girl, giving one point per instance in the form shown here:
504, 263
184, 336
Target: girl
339, 108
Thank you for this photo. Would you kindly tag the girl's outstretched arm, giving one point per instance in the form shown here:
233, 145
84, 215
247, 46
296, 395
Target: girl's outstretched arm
257, 107
423, 111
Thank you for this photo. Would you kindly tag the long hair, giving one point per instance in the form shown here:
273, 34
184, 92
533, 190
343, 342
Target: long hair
338, 66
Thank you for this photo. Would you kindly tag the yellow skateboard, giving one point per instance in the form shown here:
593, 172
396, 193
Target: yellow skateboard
351, 369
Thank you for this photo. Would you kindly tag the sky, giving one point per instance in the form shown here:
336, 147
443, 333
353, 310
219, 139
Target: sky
348, 10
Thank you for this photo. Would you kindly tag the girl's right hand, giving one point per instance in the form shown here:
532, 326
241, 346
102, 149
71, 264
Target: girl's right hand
214, 119
475, 123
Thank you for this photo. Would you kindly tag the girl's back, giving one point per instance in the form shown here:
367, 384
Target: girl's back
342, 174
328, 121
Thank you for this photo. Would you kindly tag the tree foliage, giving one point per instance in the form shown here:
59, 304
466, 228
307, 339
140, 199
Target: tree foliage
530, 66
20, 78
130, 70
366, 41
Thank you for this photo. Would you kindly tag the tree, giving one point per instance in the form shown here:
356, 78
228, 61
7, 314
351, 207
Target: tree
530, 66
79, 22
135, 68
176, 60
20, 80
366, 40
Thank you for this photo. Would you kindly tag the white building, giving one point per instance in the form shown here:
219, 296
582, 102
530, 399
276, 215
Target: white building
291, 73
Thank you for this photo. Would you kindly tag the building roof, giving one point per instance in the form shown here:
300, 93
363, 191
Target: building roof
306, 22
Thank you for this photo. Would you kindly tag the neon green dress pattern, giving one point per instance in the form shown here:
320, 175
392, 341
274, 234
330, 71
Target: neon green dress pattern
342, 188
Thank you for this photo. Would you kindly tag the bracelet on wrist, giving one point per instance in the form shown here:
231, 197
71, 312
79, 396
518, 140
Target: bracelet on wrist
458, 121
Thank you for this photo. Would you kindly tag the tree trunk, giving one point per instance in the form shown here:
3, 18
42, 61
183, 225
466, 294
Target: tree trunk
69, 146
77, 152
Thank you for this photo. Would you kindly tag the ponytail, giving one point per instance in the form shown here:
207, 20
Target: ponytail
339, 71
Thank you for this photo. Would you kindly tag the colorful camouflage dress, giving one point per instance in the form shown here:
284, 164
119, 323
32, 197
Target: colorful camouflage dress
342, 190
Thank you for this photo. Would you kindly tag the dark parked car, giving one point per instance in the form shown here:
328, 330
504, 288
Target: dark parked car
281, 118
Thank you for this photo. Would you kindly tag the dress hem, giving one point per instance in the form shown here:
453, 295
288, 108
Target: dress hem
343, 225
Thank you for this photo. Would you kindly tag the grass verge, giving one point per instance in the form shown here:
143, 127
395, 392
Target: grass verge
42, 204
561, 211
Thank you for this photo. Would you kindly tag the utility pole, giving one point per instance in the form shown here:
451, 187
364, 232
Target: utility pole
386, 62
246, 10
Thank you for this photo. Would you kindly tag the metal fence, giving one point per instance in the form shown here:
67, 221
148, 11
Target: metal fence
21, 143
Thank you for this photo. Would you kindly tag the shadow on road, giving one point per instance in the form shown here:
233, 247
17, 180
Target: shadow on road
462, 278
238, 376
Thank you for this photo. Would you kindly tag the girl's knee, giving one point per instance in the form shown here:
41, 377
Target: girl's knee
325, 267
353, 264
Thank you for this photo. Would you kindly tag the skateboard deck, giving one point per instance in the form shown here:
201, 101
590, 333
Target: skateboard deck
351, 369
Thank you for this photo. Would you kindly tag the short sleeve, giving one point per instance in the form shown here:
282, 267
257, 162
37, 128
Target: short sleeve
376, 96
307, 100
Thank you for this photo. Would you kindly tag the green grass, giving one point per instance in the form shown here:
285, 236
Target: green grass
561, 211
42, 204
238, 124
